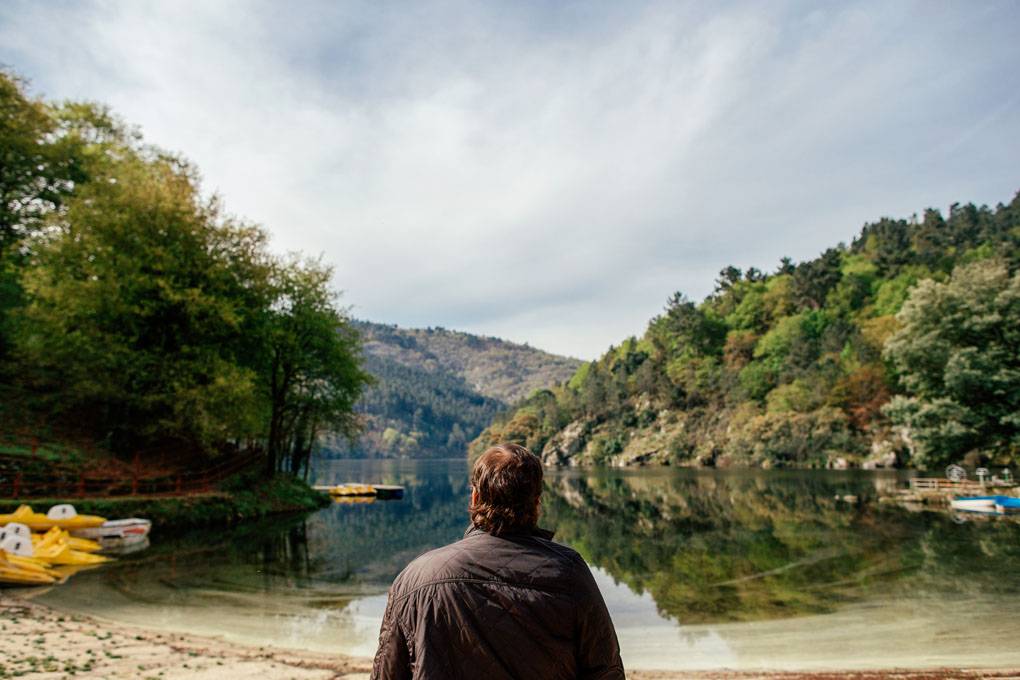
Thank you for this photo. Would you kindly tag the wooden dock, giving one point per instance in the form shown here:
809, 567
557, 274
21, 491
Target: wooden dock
939, 491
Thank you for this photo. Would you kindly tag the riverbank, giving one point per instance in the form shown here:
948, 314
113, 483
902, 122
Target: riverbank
239, 499
40, 643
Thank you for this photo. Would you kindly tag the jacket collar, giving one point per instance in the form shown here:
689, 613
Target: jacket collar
536, 532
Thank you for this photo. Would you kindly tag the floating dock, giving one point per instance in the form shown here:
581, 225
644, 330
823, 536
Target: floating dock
927, 492
383, 492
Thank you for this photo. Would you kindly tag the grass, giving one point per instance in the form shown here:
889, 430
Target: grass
245, 497
45, 452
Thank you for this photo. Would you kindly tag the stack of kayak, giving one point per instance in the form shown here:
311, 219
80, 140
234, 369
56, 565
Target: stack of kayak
989, 505
38, 549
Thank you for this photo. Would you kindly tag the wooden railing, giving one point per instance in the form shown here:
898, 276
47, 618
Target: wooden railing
948, 485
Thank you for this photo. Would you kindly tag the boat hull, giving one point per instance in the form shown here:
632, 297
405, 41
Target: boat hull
117, 533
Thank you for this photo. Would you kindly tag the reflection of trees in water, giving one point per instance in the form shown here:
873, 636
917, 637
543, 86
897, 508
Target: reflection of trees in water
285, 552
707, 546
744, 546
364, 546
370, 544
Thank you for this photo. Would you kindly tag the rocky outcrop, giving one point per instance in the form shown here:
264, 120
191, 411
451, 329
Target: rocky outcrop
885, 451
563, 447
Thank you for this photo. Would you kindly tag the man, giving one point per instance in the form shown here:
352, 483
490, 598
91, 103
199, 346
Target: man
504, 603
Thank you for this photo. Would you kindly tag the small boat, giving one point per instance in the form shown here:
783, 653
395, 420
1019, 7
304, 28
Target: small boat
53, 549
984, 504
63, 516
1007, 505
18, 552
989, 505
15, 574
73, 542
117, 533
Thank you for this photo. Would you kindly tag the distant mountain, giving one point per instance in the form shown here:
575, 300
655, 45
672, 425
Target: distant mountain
437, 389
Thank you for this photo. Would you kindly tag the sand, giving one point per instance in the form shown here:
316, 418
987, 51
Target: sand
41, 643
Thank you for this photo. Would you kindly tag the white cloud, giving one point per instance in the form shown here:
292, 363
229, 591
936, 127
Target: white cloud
550, 173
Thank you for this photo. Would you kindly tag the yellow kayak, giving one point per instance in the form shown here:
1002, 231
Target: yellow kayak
61, 553
51, 549
62, 516
18, 575
57, 535
30, 564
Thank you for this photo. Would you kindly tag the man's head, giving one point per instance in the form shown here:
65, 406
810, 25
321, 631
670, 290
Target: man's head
506, 483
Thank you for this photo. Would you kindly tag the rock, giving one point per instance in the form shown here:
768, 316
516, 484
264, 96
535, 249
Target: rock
883, 454
639, 460
563, 446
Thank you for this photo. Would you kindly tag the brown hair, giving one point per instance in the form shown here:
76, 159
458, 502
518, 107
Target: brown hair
508, 479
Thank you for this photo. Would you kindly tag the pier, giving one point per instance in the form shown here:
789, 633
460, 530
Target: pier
940, 491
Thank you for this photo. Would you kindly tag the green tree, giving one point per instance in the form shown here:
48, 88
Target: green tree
38, 168
957, 356
137, 311
313, 372
686, 329
813, 279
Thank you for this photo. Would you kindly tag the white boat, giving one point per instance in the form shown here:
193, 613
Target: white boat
117, 532
984, 504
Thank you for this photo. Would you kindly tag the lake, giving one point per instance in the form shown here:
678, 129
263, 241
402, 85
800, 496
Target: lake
701, 569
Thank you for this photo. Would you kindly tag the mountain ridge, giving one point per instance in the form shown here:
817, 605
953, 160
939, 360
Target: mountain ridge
436, 388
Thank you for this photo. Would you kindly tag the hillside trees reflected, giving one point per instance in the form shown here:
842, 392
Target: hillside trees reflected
740, 547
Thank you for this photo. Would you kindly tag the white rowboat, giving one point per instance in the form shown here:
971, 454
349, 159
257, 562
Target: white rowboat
118, 532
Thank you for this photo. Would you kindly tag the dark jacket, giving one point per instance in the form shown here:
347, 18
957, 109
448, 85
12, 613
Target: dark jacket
511, 607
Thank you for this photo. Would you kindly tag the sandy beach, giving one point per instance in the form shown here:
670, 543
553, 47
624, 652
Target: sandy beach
41, 643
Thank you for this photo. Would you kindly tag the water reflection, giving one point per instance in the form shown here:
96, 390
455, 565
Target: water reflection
743, 546
700, 569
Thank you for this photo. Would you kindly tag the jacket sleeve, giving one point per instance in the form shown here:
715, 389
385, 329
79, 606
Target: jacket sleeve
598, 650
392, 659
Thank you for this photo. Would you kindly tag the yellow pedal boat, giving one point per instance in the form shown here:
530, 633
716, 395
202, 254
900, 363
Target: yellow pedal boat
50, 550
62, 516
57, 535
15, 574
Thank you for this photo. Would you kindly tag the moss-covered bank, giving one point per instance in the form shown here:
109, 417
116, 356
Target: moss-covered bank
241, 499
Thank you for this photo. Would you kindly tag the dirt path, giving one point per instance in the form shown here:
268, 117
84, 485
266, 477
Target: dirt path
39, 643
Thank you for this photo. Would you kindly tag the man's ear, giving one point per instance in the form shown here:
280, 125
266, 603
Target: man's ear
474, 496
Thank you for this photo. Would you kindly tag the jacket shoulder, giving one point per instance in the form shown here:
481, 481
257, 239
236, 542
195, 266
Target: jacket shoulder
526, 561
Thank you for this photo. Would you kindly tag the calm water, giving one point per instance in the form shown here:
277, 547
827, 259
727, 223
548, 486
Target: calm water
700, 569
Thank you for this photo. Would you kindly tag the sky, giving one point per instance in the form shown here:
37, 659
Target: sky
550, 172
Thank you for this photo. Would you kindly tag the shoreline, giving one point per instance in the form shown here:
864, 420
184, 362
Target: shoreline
42, 643
234, 503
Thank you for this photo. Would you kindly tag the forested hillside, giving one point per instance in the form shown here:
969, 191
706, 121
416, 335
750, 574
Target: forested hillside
139, 318
436, 389
902, 348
